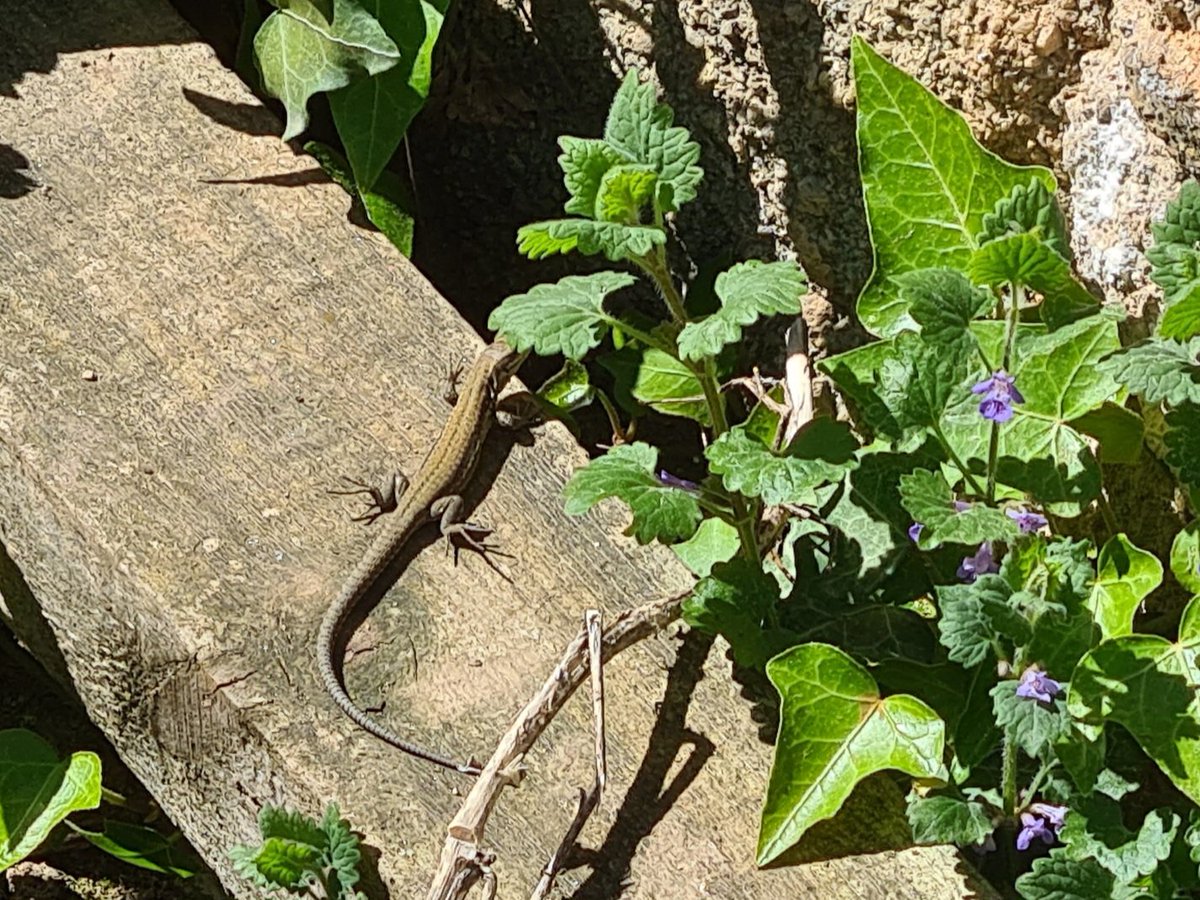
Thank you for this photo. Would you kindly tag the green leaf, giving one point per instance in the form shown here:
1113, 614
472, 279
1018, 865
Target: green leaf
747, 291
658, 380
568, 389
1185, 557
1182, 318
821, 453
143, 847
566, 317
733, 601
1023, 259
1174, 258
1183, 442
1034, 726
1125, 576
1094, 830
301, 52
624, 191
948, 820
1119, 431
287, 864
929, 500
1029, 208
856, 374
641, 129
616, 241
835, 730
341, 850
1148, 685
38, 790
628, 472
869, 513
977, 616
1158, 371
1058, 877
927, 183
584, 162
372, 114
386, 204
944, 303
920, 380
715, 541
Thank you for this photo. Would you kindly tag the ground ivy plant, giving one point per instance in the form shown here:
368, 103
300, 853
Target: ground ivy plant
920, 582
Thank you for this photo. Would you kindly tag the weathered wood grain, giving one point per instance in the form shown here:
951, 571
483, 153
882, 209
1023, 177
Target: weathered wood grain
195, 345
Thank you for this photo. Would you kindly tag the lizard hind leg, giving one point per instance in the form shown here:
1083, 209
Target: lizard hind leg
382, 499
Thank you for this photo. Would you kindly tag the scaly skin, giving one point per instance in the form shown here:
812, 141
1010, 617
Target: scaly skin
433, 493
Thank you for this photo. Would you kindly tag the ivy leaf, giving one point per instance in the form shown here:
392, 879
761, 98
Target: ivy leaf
1094, 830
1024, 259
629, 473
641, 129
38, 790
300, 52
1058, 877
658, 380
1182, 318
821, 453
1119, 431
747, 291
1183, 442
733, 601
715, 541
584, 162
566, 317
948, 820
372, 114
835, 730
929, 500
1029, 208
1033, 725
142, 847
927, 183
1148, 685
1125, 576
1185, 557
977, 616
1158, 371
386, 203
615, 240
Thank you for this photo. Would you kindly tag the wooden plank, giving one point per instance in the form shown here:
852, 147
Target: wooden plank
190, 359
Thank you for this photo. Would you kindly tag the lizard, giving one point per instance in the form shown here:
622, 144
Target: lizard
432, 494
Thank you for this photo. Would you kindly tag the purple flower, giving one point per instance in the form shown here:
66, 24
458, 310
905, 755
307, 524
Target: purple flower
999, 394
914, 531
1028, 522
1040, 820
961, 505
670, 480
980, 564
1037, 685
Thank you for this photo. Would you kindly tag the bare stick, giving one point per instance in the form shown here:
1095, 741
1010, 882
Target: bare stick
592, 621
798, 379
460, 852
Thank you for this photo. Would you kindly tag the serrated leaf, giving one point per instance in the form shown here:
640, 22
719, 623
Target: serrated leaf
929, 500
642, 129
275, 821
1125, 576
747, 291
1094, 830
300, 52
1183, 442
616, 241
1149, 686
733, 601
821, 453
944, 302
919, 380
1185, 557
584, 162
341, 849
624, 191
868, 513
1029, 208
142, 847
628, 472
835, 730
658, 380
372, 114
1174, 258
566, 317
1182, 317
715, 541
38, 790
974, 617
948, 820
856, 374
1033, 725
1159, 371
927, 183
1058, 877
287, 864
1025, 260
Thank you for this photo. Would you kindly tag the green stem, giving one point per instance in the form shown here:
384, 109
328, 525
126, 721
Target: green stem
109, 796
1046, 769
954, 458
1017, 294
1008, 764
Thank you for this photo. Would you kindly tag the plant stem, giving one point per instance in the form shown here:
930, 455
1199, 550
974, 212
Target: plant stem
1008, 764
954, 458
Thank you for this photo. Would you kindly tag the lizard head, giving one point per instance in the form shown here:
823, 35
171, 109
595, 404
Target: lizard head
503, 361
